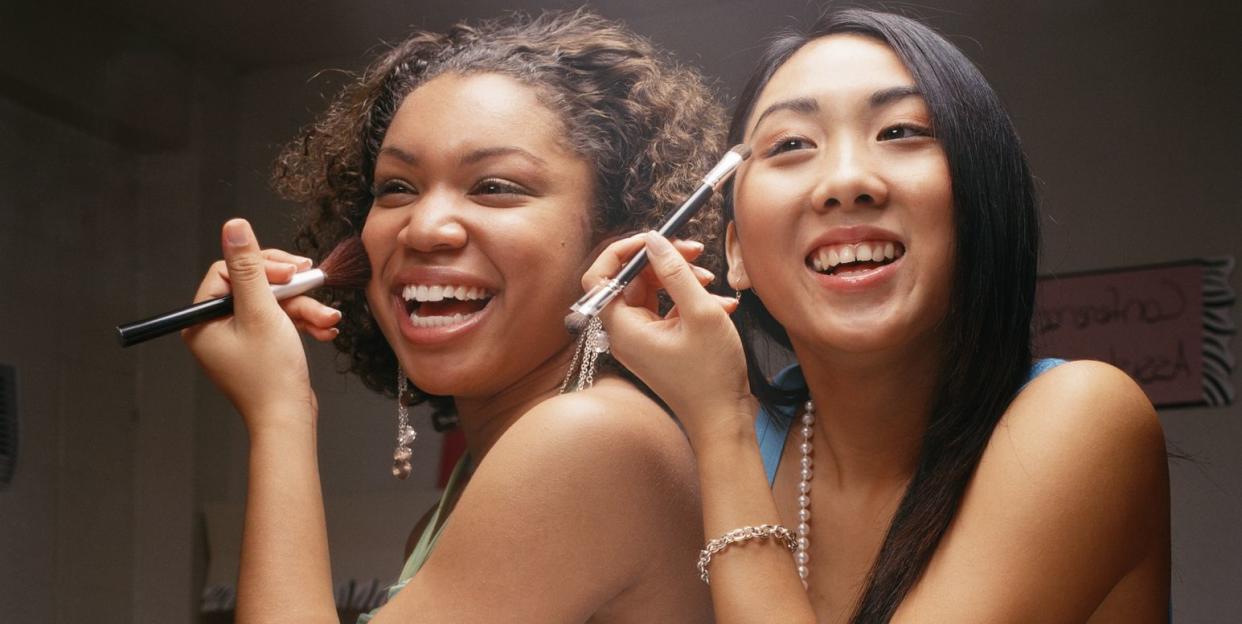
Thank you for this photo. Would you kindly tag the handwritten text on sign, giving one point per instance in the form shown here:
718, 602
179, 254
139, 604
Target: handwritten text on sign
1147, 322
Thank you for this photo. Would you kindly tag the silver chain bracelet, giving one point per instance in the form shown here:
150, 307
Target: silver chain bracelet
775, 532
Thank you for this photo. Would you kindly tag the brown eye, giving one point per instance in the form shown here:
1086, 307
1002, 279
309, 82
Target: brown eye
788, 144
903, 131
495, 186
393, 193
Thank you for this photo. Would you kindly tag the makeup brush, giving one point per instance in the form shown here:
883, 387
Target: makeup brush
346, 267
591, 303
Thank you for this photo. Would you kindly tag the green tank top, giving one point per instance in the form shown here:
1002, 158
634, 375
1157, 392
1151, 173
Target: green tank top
426, 541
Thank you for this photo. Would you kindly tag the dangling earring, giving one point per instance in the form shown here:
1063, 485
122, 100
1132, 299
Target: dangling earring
405, 433
592, 342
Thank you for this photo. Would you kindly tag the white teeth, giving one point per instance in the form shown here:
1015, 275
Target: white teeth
438, 321
440, 292
827, 257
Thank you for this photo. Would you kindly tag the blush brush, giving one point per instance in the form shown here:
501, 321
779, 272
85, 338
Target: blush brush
599, 297
345, 267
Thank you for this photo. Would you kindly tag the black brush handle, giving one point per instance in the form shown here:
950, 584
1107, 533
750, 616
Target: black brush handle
181, 318
168, 322
668, 230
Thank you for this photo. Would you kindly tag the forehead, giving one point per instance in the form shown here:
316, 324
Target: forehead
452, 109
835, 68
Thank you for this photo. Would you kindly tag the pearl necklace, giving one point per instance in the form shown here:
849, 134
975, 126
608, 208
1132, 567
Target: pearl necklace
802, 555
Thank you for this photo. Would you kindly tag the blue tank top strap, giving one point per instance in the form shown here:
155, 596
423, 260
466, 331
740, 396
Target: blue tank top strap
1040, 367
772, 429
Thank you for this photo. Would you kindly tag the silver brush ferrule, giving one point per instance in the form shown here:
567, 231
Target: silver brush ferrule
300, 283
725, 167
597, 298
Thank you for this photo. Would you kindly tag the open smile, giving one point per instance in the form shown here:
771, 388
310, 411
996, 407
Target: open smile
857, 266
437, 312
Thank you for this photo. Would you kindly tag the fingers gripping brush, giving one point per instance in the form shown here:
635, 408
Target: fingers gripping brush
599, 297
345, 267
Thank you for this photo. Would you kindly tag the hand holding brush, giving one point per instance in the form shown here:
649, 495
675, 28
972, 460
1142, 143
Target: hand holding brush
600, 296
255, 355
345, 267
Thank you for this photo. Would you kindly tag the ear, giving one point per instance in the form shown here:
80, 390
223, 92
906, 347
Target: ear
738, 279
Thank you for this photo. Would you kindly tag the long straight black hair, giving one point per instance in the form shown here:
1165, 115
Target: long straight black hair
987, 329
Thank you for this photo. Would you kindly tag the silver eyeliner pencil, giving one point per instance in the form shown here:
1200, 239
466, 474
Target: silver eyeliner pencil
591, 303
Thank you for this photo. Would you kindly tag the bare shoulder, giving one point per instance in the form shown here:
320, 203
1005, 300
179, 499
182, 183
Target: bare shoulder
1081, 411
612, 425
581, 498
1070, 498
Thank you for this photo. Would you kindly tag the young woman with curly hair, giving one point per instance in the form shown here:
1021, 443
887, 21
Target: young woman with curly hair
483, 168
926, 468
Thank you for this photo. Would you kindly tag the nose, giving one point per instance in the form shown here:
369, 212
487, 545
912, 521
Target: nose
434, 224
849, 179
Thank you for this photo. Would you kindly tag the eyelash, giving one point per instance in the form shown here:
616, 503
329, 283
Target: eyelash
914, 130
782, 145
389, 187
504, 187
486, 187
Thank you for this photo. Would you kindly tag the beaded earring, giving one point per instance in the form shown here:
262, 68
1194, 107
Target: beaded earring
592, 342
405, 433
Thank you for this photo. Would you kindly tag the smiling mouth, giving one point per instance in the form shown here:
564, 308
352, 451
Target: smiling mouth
850, 258
442, 305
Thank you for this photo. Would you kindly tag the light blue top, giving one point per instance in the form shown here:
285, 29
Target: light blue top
771, 430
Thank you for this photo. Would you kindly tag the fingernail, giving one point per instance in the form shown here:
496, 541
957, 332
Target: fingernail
695, 244
657, 244
303, 261
704, 272
236, 232
334, 313
293, 268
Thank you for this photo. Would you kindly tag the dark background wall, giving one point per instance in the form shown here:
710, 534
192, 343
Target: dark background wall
130, 130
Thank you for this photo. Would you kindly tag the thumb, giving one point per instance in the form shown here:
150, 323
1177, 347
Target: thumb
676, 276
247, 275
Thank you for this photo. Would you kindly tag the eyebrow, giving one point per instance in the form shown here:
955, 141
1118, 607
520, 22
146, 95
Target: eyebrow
493, 152
468, 159
399, 154
806, 105
884, 97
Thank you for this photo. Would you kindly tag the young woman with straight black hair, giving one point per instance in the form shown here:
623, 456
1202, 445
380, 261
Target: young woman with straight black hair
917, 462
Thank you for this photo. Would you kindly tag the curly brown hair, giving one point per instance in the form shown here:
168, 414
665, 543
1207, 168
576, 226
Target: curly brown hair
649, 127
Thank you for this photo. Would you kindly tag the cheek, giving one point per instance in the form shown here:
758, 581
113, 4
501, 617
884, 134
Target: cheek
378, 237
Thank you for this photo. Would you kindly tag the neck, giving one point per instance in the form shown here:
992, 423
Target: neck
872, 410
483, 419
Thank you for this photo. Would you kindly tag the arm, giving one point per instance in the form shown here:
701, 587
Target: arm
693, 360
256, 359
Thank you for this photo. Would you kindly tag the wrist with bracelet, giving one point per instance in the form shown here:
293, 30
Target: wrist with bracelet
774, 532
